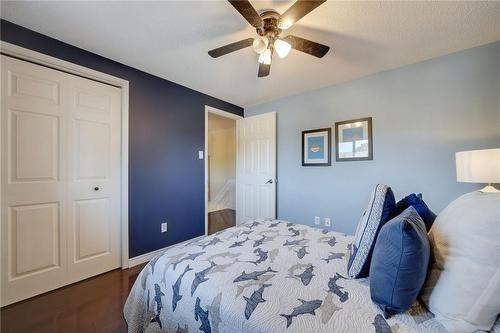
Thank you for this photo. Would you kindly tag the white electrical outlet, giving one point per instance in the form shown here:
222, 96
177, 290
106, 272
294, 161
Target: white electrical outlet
328, 222
316, 220
164, 227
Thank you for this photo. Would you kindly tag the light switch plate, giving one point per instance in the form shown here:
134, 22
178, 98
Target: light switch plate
164, 227
316, 220
200, 154
328, 222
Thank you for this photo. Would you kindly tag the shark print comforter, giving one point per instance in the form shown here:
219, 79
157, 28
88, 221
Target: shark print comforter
262, 276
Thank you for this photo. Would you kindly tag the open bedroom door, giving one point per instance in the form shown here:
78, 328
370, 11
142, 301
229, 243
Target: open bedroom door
256, 167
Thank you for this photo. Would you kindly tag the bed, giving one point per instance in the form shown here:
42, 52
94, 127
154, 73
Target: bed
262, 276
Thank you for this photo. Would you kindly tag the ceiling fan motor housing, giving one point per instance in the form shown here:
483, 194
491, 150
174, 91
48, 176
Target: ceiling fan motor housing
270, 27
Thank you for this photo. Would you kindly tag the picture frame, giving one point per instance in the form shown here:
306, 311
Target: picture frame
354, 140
316, 147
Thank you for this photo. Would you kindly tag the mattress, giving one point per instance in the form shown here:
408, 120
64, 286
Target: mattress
262, 276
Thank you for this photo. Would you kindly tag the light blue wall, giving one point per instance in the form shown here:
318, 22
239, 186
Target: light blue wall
422, 114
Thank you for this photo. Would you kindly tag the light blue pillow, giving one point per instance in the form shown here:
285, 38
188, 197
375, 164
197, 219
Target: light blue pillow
380, 210
399, 262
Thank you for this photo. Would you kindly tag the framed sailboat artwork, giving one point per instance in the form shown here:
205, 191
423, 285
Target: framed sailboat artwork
316, 147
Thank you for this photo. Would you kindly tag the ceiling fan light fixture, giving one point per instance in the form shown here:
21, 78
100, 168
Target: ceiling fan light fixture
282, 48
260, 44
265, 57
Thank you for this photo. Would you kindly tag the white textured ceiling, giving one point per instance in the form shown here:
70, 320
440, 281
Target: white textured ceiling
171, 39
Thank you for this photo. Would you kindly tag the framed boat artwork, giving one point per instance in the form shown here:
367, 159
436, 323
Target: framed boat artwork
316, 149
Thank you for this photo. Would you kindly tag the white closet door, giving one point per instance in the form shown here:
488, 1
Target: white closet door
33, 180
256, 167
55, 149
93, 177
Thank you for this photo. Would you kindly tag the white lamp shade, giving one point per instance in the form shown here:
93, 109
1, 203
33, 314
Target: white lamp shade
282, 48
478, 166
265, 57
260, 44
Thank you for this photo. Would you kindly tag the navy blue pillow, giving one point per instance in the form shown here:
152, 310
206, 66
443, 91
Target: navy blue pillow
399, 262
420, 206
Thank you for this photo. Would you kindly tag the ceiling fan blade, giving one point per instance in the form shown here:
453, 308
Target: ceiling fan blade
298, 10
223, 50
307, 46
245, 8
264, 70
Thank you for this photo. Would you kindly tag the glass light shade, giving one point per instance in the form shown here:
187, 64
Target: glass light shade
260, 44
478, 166
265, 57
282, 48
283, 24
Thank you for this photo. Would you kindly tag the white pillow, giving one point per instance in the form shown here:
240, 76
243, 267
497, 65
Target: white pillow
463, 285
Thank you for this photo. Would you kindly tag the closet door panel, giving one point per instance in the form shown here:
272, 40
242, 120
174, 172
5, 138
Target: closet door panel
33, 123
94, 178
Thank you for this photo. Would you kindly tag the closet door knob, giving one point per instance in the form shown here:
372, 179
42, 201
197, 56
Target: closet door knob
96, 188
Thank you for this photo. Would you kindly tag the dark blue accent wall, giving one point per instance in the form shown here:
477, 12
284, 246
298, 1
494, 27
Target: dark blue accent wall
166, 130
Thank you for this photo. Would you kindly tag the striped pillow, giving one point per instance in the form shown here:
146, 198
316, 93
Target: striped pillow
380, 209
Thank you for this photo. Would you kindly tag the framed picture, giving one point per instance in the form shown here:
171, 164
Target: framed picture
316, 150
353, 140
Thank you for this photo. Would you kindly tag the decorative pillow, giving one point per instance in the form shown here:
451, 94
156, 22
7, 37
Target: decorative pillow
380, 210
463, 285
399, 262
423, 210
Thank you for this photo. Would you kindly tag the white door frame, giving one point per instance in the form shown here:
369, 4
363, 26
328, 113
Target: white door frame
210, 109
71, 68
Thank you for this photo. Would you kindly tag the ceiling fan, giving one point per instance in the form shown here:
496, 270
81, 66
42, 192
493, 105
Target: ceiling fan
269, 26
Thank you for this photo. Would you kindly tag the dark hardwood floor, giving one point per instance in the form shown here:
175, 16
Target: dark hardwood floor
221, 219
92, 305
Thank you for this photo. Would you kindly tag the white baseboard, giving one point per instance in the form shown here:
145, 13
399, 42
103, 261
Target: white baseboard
145, 257
150, 255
